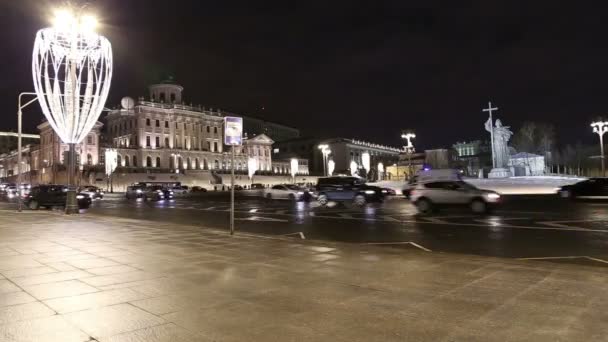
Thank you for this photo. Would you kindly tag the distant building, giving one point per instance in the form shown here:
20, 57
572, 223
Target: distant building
527, 164
343, 152
471, 157
165, 134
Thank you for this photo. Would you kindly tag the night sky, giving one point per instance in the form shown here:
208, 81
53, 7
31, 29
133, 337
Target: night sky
352, 69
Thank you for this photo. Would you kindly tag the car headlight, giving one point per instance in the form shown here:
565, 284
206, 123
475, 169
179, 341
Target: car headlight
138, 191
493, 196
369, 192
300, 193
170, 192
79, 196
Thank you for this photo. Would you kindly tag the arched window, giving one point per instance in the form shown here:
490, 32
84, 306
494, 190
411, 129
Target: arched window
180, 163
216, 164
148, 161
157, 161
197, 164
127, 161
188, 164
89, 159
172, 162
118, 160
205, 165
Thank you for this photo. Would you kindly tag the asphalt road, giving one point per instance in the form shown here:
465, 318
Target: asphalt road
543, 227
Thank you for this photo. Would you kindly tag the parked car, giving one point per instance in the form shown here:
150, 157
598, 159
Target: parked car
433, 195
257, 186
47, 196
592, 189
198, 189
135, 191
284, 191
93, 192
342, 188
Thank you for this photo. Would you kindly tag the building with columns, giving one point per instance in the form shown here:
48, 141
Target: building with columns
163, 133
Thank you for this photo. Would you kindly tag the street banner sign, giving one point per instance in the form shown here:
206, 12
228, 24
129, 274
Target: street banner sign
233, 131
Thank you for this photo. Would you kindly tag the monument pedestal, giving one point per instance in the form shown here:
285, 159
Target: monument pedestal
499, 172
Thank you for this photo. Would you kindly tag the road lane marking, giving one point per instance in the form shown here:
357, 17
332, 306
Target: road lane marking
260, 219
300, 234
399, 243
346, 216
567, 257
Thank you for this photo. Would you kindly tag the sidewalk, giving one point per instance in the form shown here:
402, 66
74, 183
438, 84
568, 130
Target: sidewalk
91, 278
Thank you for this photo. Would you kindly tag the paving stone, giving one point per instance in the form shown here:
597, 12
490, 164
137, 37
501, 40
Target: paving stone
159, 333
6, 286
24, 272
50, 277
113, 320
59, 289
108, 270
93, 300
48, 329
13, 298
120, 278
92, 262
24, 311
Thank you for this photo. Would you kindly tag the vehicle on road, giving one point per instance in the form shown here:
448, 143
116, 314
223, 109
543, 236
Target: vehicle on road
47, 196
389, 192
591, 189
431, 196
341, 188
284, 191
167, 193
426, 175
135, 191
93, 192
198, 189
179, 190
153, 193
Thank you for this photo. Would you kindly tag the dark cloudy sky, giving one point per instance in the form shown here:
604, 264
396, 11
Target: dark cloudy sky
362, 69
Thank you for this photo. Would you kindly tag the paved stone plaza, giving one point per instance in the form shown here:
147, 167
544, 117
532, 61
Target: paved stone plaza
94, 278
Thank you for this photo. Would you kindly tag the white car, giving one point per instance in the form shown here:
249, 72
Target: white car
284, 191
433, 195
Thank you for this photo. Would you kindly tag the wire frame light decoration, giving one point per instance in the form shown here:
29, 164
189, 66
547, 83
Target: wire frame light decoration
252, 166
72, 71
331, 166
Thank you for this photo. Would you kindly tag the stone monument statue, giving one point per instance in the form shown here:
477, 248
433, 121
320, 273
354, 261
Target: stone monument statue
499, 137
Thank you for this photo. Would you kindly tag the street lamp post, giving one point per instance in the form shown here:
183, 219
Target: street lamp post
409, 149
19, 152
601, 127
72, 70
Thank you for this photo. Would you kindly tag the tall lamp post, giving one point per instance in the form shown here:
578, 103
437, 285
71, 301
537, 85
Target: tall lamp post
601, 127
72, 70
326, 152
409, 149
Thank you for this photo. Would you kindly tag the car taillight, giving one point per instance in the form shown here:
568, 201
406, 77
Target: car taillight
413, 193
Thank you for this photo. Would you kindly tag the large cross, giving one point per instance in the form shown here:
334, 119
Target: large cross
490, 109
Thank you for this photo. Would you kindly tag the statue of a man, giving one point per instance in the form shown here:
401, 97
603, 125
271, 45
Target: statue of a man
501, 135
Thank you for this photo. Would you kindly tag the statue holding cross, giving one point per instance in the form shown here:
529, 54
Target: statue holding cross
499, 137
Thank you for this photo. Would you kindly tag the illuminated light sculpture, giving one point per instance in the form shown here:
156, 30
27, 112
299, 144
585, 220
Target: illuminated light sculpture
294, 168
381, 171
111, 163
72, 70
331, 166
325, 151
601, 127
353, 168
366, 161
252, 167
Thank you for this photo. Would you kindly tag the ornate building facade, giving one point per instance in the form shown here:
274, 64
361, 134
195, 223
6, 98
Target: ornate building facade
163, 133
